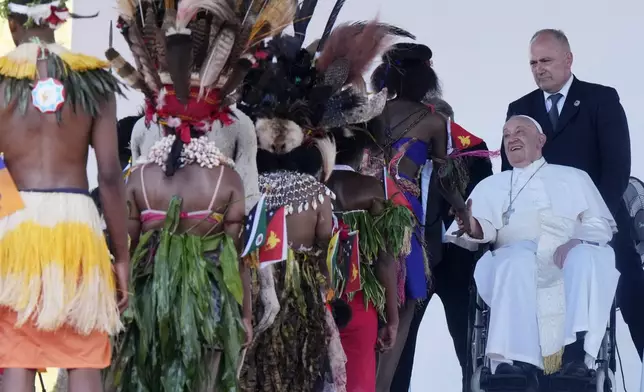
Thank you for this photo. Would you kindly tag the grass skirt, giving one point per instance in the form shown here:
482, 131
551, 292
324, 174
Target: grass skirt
57, 289
291, 354
186, 305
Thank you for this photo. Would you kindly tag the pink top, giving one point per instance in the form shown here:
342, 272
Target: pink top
150, 215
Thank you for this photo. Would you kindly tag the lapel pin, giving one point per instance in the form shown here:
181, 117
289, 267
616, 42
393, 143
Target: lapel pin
577, 103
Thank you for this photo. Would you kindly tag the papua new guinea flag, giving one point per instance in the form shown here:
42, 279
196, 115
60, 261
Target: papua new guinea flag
275, 248
255, 227
351, 261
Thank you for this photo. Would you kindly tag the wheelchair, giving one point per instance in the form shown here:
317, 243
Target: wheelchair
479, 377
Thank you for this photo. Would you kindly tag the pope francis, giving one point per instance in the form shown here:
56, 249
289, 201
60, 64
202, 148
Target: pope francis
550, 278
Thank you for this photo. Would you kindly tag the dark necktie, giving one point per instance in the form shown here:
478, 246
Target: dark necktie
553, 114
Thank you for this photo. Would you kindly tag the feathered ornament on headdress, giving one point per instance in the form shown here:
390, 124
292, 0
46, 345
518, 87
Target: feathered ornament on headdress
41, 13
191, 55
296, 100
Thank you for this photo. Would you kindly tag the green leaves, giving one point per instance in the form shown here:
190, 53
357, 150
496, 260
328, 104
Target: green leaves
391, 224
185, 305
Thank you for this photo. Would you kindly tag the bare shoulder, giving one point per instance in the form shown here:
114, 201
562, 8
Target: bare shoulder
230, 177
435, 120
372, 186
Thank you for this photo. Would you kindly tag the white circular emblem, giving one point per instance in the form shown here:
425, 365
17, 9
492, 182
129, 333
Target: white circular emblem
48, 95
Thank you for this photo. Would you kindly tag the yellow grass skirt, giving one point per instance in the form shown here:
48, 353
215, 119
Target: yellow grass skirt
55, 268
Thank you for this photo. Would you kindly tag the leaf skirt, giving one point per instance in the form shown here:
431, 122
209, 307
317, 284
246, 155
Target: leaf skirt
184, 313
292, 355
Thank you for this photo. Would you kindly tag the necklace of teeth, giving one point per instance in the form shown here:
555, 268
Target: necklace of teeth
296, 191
199, 151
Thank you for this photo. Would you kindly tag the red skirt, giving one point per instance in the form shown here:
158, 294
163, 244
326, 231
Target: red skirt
359, 342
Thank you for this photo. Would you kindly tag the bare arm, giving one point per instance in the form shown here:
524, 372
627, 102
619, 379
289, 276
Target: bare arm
386, 274
437, 129
110, 179
233, 221
134, 213
112, 191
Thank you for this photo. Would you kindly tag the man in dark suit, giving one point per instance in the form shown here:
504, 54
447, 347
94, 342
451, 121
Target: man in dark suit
587, 129
453, 273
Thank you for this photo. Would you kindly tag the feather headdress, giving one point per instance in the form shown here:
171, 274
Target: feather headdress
297, 100
191, 55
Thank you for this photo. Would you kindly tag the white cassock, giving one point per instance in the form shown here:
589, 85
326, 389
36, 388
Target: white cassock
537, 308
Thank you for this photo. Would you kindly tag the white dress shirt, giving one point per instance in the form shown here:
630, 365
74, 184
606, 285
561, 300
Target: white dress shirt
564, 91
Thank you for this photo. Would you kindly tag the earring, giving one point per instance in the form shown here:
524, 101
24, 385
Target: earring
391, 98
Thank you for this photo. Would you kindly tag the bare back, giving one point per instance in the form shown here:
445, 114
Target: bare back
355, 191
409, 119
42, 153
311, 228
196, 186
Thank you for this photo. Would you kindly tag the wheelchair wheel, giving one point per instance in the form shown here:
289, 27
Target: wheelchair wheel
605, 381
475, 381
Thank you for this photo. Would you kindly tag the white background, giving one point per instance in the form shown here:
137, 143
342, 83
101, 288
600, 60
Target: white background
481, 55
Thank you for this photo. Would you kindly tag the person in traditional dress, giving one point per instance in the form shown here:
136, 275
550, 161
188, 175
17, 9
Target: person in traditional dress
453, 274
383, 231
190, 64
59, 296
124, 131
551, 278
294, 104
236, 138
410, 135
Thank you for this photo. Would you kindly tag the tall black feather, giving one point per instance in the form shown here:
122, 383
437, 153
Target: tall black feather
330, 23
302, 19
180, 60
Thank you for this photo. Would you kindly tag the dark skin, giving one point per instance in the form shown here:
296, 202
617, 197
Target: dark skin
312, 229
355, 191
41, 153
196, 186
402, 114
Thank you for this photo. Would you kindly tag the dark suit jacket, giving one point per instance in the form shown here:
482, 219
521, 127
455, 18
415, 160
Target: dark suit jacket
592, 135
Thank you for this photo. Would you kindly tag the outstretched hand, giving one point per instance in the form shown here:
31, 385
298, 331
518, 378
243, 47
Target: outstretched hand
464, 220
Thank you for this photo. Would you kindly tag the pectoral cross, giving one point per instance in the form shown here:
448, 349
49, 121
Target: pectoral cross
506, 215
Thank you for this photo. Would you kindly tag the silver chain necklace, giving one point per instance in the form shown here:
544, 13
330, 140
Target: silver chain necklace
509, 211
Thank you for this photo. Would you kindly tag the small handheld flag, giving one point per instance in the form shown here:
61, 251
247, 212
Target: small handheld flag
332, 257
10, 200
351, 260
461, 138
255, 227
275, 248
